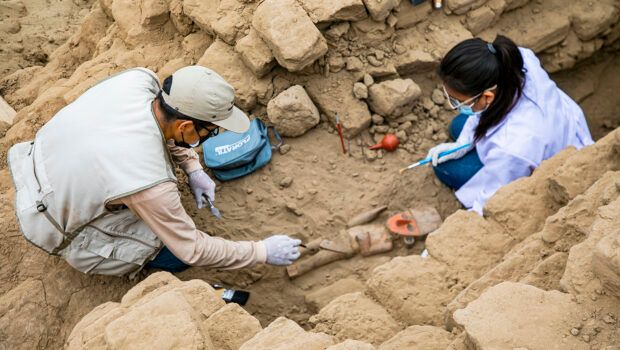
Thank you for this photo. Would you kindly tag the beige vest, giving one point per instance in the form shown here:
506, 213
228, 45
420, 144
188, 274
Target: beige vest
105, 145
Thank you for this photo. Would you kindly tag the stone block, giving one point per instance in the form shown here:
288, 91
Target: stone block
231, 326
513, 315
380, 9
606, 262
415, 62
289, 32
292, 112
180, 20
88, 333
593, 18
333, 96
419, 337
409, 15
350, 344
397, 284
319, 298
456, 243
223, 59
148, 285
480, 19
255, 54
541, 31
355, 316
149, 326
284, 334
393, 98
202, 12
461, 7
331, 11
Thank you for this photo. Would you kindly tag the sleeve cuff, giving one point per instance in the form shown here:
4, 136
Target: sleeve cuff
261, 252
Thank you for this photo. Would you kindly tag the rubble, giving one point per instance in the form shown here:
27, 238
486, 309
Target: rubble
393, 98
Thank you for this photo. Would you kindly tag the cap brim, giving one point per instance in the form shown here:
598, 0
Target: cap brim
237, 122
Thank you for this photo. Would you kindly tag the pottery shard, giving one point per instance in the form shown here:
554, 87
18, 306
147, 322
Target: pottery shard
554, 314
330, 11
593, 18
606, 262
292, 112
284, 334
231, 326
355, 316
393, 98
380, 9
255, 53
289, 32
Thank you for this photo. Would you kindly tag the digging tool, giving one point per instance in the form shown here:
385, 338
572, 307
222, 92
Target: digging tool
214, 210
344, 150
429, 159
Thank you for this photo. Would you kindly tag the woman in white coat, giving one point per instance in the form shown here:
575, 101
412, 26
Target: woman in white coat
512, 115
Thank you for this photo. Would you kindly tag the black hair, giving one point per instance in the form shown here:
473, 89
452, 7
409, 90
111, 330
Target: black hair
474, 65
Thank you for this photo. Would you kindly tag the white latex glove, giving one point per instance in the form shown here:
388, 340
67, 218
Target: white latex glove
201, 184
443, 147
281, 249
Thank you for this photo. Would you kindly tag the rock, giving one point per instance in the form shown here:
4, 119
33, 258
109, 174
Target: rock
370, 32
255, 54
368, 80
357, 317
380, 9
154, 12
455, 243
419, 337
331, 11
223, 59
438, 97
546, 31
377, 119
374, 61
10, 27
393, 98
354, 64
137, 24
336, 63
360, 91
409, 15
320, 298
7, 113
202, 12
414, 62
402, 136
333, 96
480, 19
592, 19
553, 311
284, 334
228, 24
293, 208
284, 149
180, 20
337, 30
19, 310
154, 318
350, 344
606, 262
463, 6
396, 285
231, 326
292, 112
286, 182
154, 282
289, 32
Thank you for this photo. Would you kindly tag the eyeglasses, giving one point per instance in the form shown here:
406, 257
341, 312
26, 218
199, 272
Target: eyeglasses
211, 132
455, 103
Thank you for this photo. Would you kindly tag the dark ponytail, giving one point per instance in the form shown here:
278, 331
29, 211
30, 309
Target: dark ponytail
474, 65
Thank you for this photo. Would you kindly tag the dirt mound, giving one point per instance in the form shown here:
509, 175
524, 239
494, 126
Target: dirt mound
551, 231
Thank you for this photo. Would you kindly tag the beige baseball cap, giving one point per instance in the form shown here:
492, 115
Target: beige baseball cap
201, 93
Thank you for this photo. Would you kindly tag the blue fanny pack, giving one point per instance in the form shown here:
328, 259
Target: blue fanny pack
230, 155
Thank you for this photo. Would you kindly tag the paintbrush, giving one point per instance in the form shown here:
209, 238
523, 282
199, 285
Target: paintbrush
429, 159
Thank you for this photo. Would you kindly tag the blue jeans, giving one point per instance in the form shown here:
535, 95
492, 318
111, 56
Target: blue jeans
455, 173
166, 261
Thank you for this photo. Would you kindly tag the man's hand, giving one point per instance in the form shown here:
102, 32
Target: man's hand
201, 184
281, 249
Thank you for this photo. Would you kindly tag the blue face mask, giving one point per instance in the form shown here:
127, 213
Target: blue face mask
466, 109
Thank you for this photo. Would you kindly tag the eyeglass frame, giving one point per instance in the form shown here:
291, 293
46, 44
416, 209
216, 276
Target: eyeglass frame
470, 101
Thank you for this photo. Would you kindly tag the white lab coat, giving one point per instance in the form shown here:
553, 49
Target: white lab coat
543, 122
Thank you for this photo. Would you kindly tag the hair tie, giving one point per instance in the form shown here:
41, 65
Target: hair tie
491, 48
